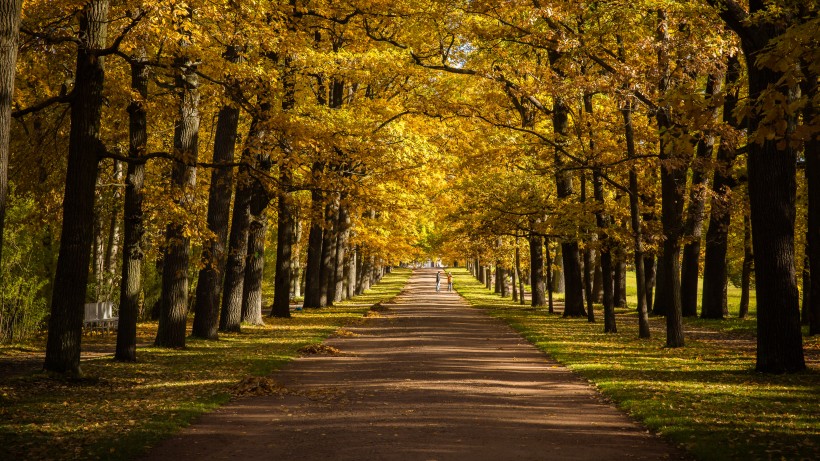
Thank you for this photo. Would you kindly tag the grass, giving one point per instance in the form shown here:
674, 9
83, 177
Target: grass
124, 408
705, 396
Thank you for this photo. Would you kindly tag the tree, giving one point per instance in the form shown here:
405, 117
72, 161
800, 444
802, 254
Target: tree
84, 151
9, 42
771, 168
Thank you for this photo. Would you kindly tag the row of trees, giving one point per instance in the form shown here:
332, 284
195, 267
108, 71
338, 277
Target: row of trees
297, 114
618, 130
603, 127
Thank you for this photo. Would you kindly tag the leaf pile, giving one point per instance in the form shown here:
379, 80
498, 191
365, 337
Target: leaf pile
258, 385
319, 349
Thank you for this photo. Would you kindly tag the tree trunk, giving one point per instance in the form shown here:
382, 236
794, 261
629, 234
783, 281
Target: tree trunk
133, 230
537, 282
618, 287
550, 276
313, 269
84, 148
557, 283
9, 44
588, 269
602, 220
255, 263
328, 271
351, 272
658, 307
693, 227
209, 286
285, 240
112, 247
772, 187
650, 270
516, 275
230, 316
715, 272
637, 236
343, 234
748, 267
174, 307
597, 279
296, 265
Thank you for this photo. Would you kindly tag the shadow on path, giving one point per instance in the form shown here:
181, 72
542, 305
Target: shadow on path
429, 379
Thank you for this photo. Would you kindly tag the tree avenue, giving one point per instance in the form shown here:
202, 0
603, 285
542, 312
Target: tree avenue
212, 161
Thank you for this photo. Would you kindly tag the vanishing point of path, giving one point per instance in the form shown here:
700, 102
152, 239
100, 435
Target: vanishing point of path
430, 379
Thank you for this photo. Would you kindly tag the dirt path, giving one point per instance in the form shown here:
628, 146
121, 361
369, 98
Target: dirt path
431, 379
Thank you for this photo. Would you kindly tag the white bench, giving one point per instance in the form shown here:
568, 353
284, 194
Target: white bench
99, 316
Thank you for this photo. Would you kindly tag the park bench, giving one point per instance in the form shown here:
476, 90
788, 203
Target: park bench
99, 316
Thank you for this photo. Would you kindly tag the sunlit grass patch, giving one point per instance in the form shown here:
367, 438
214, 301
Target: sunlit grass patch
704, 396
122, 408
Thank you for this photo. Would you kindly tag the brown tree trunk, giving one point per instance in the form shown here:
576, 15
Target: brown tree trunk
649, 267
133, 230
693, 227
313, 269
285, 240
209, 285
748, 267
715, 272
637, 236
550, 276
84, 148
588, 269
174, 307
343, 224
772, 183
9, 43
255, 263
328, 270
538, 298
602, 220
230, 316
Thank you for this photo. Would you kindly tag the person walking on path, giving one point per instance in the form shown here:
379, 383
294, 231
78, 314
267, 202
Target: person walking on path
449, 282
438, 281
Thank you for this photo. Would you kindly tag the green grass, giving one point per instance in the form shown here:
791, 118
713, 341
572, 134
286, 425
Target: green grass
704, 396
124, 408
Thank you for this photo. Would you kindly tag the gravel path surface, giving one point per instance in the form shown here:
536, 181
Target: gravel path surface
428, 379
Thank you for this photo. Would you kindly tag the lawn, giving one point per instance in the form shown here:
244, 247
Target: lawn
704, 396
122, 408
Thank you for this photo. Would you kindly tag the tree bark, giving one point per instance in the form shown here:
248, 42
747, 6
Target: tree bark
693, 226
174, 307
772, 187
748, 267
328, 271
209, 285
285, 240
133, 229
715, 272
84, 149
602, 220
313, 269
538, 298
255, 263
9, 44
343, 234
650, 270
230, 316
588, 269
550, 276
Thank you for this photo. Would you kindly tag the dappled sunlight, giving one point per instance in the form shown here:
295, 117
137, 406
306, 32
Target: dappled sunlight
705, 395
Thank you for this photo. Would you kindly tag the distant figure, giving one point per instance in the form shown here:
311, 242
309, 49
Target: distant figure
449, 282
438, 281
